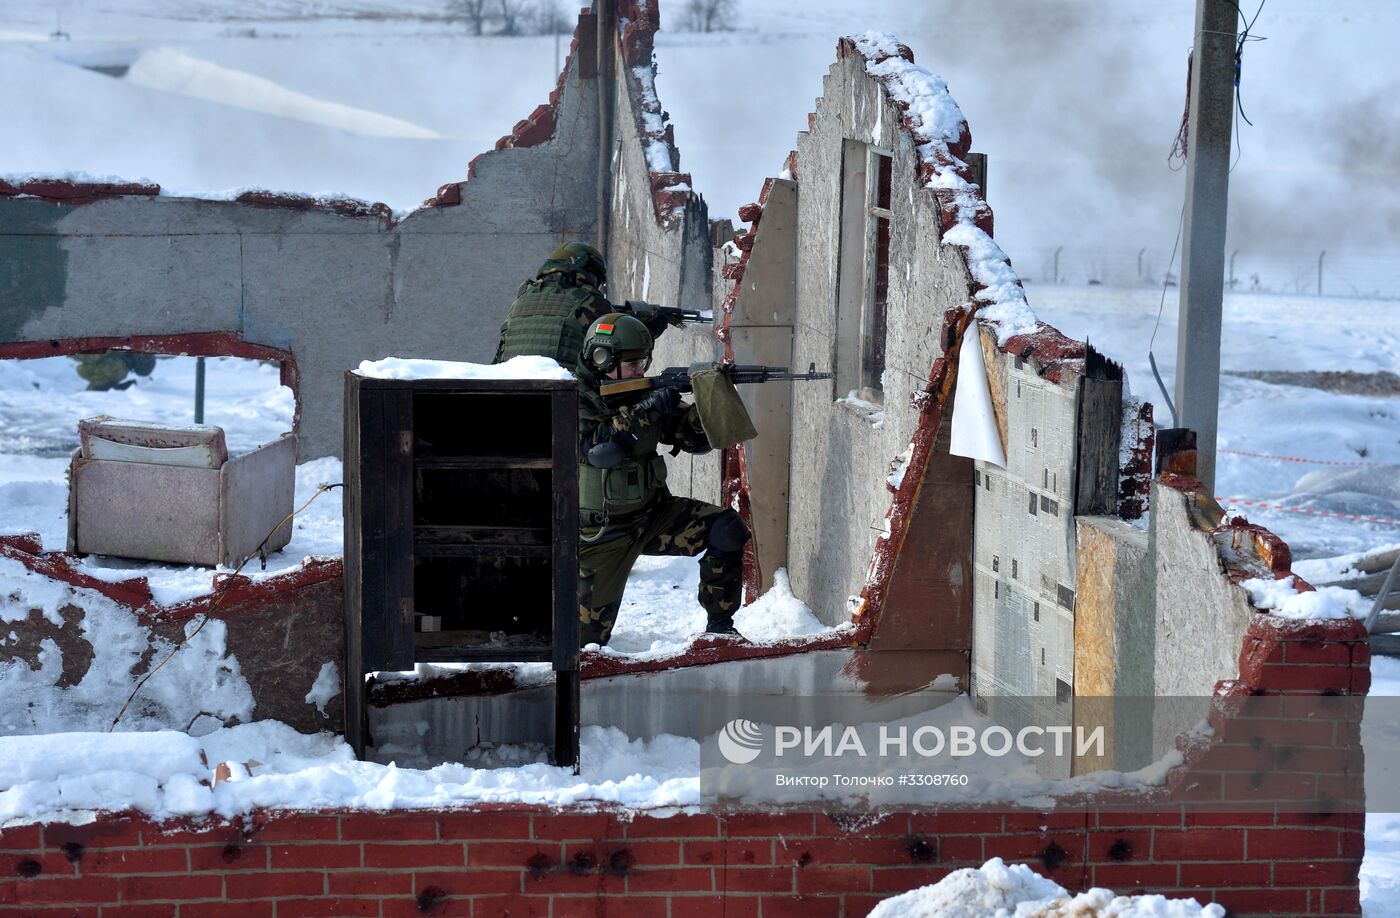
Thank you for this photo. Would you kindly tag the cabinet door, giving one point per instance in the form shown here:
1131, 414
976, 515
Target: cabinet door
386, 526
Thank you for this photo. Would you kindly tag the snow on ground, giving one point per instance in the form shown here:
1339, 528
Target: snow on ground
1270, 332
1380, 870
1002, 890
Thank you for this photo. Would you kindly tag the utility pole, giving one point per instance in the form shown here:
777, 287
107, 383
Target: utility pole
1203, 258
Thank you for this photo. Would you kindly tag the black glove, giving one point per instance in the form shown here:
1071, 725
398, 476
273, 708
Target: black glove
662, 402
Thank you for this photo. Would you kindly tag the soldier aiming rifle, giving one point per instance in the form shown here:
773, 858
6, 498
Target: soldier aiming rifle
550, 313
625, 508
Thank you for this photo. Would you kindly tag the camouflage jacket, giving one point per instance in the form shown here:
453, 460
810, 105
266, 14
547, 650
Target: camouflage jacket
642, 474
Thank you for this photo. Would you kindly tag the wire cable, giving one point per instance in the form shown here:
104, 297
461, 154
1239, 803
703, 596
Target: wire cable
218, 598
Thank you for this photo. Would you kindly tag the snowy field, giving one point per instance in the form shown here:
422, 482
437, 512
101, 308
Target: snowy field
387, 101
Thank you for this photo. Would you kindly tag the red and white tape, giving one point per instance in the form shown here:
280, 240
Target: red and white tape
1240, 452
1265, 505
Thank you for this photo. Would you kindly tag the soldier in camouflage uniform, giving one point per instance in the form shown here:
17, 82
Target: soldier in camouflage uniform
551, 313
625, 509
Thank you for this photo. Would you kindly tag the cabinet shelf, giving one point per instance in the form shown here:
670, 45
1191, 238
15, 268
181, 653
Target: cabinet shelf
483, 462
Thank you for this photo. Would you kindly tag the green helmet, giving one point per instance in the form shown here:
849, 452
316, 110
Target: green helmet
614, 338
577, 258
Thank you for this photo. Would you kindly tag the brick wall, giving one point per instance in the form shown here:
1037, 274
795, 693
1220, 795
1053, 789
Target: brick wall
1221, 829
515, 861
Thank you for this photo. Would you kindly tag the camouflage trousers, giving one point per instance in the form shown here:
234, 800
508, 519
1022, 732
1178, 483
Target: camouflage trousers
669, 526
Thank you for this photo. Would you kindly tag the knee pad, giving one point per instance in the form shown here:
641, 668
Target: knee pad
728, 533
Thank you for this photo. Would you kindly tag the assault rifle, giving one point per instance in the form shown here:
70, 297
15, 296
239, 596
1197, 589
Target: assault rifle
673, 315
679, 378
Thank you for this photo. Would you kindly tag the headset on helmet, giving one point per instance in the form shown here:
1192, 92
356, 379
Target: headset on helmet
614, 338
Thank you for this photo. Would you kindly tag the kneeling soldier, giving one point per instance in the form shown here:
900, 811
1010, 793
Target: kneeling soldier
625, 509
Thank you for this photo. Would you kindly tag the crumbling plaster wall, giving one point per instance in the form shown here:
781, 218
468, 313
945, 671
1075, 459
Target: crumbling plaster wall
659, 228
1201, 615
1024, 574
331, 289
840, 456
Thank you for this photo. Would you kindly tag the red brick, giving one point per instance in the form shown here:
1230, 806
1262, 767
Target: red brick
171, 888
52, 864
1305, 819
468, 825
628, 853
1209, 876
297, 828
1198, 845
711, 852
64, 891
802, 907
565, 881
563, 826
377, 827
953, 849
1034, 847
1360, 680
186, 832
1351, 844
670, 879
443, 854
509, 907
714, 906
632, 907
900, 879
1045, 823
469, 882
67, 911
895, 825
1291, 844
1270, 785
696, 826
451, 907
1316, 652
326, 908
22, 838
788, 825
367, 883
1196, 786
1341, 901
1162, 817
1340, 872
136, 860
145, 910
953, 823
310, 857
1361, 654
815, 879
1116, 847
1127, 878
232, 857
226, 909
1195, 818
1262, 901
107, 832
273, 885
521, 855
884, 852
757, 879
1313, 679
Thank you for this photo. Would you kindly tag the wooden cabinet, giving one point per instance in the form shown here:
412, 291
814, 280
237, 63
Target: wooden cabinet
461, 532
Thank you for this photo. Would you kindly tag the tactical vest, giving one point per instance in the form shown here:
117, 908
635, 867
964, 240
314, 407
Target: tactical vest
626, 489
547, 319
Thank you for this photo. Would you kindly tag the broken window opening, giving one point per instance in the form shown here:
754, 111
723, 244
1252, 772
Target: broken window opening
123, 412
864, 262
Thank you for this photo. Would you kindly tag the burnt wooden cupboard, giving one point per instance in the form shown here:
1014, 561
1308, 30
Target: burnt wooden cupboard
461, 532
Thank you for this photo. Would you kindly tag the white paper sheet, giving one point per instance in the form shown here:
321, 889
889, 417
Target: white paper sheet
975, 432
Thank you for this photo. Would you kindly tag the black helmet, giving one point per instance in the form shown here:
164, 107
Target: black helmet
579, 259
614, 338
